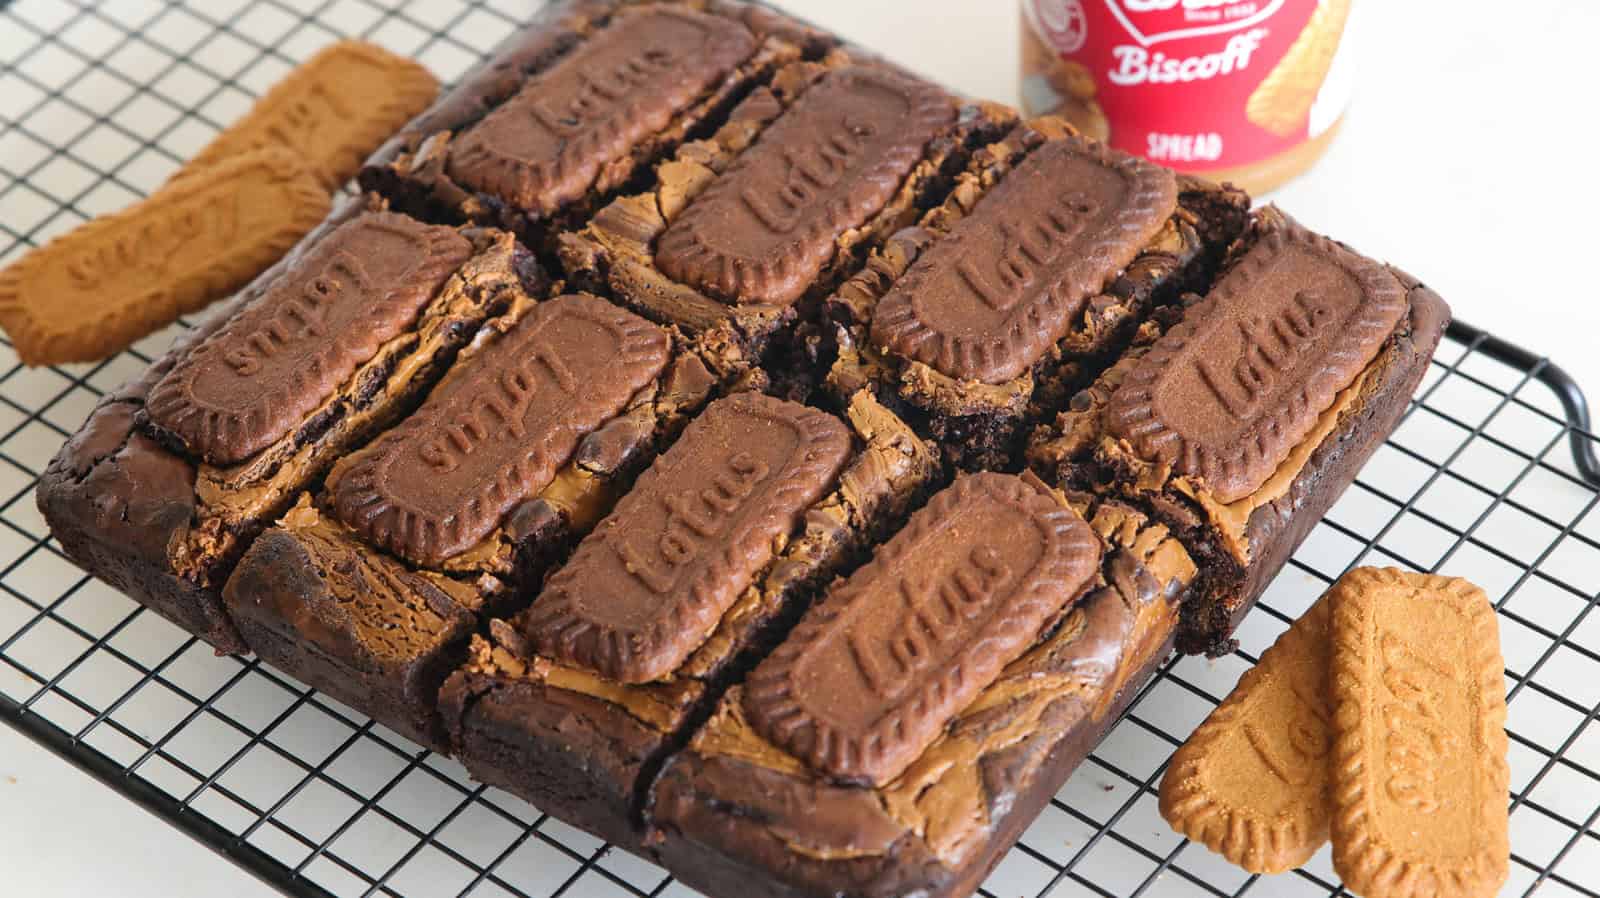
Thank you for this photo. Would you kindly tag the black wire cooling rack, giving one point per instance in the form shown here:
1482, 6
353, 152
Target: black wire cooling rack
99, 102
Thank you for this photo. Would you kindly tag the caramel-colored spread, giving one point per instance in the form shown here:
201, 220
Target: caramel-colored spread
657, 705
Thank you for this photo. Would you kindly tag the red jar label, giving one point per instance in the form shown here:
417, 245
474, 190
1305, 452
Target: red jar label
1197, 84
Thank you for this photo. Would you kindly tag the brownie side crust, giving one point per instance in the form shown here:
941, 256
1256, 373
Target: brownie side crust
117, 501
530, 711
735, 813
361, 627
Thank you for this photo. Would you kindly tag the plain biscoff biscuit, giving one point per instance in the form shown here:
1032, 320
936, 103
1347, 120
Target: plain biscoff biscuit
1419, 762
96, 289
1281, 102
1251, 783
332, 111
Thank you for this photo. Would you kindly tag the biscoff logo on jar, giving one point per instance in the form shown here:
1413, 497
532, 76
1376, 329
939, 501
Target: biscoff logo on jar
1154, 21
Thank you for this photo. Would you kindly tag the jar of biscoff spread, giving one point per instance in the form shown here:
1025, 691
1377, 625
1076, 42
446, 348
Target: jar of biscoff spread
1248, 91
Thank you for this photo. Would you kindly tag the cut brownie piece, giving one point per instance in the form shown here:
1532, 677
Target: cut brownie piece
572, 703
747, 230
1023, 283
579, 104
516, 453
917, 720
335, 342
1242, 424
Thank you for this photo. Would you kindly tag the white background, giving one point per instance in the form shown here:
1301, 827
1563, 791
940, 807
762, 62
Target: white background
1465, 159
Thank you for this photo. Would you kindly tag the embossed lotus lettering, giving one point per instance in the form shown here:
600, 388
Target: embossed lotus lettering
543, 147
987, 301
255, 379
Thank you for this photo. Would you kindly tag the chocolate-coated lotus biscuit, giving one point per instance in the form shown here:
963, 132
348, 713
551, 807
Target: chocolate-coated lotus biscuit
639, 596
1302, 398
877, 667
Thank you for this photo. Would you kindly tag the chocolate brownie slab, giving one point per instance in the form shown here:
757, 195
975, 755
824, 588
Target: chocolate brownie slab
332, 344
898, 742
573, 702
579, 104
1032, 273
368, 589
1243, 423
746, 231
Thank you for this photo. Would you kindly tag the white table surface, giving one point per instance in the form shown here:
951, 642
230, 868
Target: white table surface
1463, 159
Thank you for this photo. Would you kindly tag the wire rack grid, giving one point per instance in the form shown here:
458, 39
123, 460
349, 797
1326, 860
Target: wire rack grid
99, 103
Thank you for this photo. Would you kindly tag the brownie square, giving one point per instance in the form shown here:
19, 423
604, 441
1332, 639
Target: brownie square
175, 473
574, 702
1023, 283
783, 792
1243, 422
543, 421
579, 104
743, 233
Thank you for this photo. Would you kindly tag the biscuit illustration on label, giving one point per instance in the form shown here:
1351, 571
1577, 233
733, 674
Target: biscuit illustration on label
1252, 782
98, 288
1419, 762
332, 111
1282, 101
